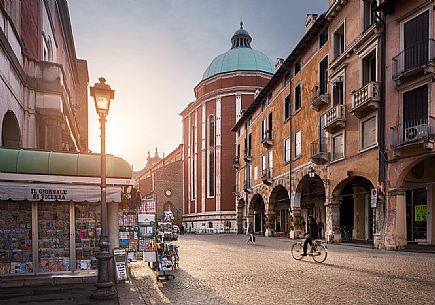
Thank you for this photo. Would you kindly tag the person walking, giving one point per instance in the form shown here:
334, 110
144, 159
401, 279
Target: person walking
320, 226
251, 234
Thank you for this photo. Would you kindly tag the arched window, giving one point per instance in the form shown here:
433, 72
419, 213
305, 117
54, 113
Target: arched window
211, 156
11, 136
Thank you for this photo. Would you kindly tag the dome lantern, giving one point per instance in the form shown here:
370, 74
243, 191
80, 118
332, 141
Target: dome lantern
241, 38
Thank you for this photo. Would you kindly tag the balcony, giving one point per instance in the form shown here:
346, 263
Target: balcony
319, 99
365, 100
414, 61
319, 151
420, 133
247, 186
247, 155
236, 162
266, 176
335, 118
267, 138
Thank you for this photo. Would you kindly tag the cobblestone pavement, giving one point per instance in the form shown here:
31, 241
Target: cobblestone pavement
223, 269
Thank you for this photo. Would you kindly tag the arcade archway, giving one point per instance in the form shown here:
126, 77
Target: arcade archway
280, 204
258, 211
11, 135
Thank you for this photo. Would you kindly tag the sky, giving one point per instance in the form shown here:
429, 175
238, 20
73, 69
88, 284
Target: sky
154, 52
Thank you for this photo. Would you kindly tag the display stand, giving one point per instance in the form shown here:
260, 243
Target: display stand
167, 258
120, 259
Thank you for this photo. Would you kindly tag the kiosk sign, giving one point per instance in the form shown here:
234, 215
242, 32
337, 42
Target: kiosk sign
420, 212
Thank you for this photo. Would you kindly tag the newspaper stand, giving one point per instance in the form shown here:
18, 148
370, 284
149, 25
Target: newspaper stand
167, 258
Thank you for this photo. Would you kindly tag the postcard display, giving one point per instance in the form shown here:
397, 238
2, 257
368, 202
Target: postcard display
88, 232
54, 236
16, 237
147, 236
128, 230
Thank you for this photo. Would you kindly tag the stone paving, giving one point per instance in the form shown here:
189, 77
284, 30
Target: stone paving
223, 269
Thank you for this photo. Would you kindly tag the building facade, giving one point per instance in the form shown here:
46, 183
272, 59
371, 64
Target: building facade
280, 139
227, 88
43, 85
409, 123
162, 181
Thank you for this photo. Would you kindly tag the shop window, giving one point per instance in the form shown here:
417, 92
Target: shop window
54, 236
339, 41
15, 237
298, 100
368, 132
338, 147
88, 231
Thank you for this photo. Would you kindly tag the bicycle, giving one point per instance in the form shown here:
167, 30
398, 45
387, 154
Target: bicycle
318, 252
346, 234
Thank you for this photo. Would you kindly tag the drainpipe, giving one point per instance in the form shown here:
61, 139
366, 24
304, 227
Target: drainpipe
381, 130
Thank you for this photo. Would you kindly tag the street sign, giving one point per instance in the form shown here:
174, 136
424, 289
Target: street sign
373, 197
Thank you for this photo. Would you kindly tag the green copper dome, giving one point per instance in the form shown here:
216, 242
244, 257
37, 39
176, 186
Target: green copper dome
241, 57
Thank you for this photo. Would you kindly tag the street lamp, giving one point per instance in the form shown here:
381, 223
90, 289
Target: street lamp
103, 94
311, 172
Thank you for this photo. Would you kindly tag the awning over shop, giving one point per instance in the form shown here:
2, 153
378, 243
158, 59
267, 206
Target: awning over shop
56, 192
25, 161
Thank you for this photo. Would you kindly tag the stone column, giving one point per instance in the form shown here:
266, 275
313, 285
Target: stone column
332, 225
395, 230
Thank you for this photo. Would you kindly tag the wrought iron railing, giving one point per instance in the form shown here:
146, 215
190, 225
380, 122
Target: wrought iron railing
414, 57
362, 95
319, 146
413, 131
247, 154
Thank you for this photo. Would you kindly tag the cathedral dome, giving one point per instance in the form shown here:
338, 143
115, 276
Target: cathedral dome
241, 57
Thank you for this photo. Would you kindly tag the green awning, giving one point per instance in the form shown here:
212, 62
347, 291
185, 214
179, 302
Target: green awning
26, 161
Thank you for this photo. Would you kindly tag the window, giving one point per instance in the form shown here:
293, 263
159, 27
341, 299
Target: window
269, 98
369, 68
263, 129
287, 79
287, 150
323, 76
270, 157
415, 106
339, 41
263, 165
368, 132
211, 160
369, 13
323, 38
338, 147
270, 123
210, 225
238, 150
297, 67
337, 92
287, 107
298, 97
298, 148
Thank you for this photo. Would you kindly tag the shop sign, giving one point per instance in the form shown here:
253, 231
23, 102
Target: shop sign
150, 205
420, 212
57, 194
373, 197
145, 218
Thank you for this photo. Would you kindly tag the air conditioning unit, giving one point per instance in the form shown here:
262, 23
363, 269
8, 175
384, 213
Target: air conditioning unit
416, 132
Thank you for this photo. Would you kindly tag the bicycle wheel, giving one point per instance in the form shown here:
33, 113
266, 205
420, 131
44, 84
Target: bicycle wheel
320, 254
297, 251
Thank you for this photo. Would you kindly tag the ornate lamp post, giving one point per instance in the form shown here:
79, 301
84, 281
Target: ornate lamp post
103, 94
